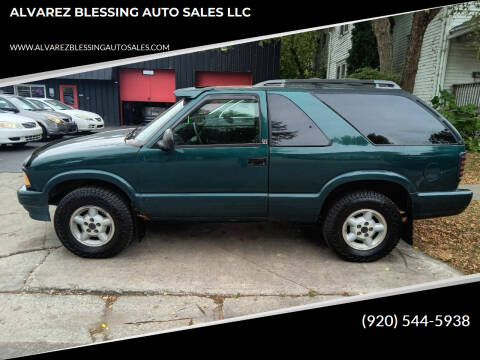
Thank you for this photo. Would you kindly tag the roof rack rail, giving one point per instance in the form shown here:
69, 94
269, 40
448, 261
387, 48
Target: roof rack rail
329, 83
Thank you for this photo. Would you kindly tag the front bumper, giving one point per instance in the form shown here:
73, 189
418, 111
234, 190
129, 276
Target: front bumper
63, 129
18, 136
445, 203
35, 202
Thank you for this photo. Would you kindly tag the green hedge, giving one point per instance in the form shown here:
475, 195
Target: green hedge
464, 118
367, 73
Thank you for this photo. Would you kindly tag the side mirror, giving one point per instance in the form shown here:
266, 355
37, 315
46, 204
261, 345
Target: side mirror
167, 143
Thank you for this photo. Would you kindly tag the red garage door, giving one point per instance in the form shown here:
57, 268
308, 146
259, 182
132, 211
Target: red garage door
135, 86
219, 78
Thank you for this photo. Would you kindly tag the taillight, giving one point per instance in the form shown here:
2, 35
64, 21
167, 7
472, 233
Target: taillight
461, 168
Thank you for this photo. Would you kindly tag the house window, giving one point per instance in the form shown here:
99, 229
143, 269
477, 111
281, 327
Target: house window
343, 29
28, 90
342, 70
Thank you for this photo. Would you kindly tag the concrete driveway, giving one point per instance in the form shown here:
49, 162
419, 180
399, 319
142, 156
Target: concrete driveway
178, 275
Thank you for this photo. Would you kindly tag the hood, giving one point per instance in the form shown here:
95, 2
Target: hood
14, 118
83, 113
80, 148
60, 115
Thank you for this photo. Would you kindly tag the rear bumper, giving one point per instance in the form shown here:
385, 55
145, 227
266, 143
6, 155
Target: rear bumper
445, 203
36, 203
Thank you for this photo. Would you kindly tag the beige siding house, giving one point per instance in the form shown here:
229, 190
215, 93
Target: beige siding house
448, 57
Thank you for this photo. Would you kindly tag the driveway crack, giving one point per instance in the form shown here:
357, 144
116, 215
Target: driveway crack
156, 321
29, 251
35, 268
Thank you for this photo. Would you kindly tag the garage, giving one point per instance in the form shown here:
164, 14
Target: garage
144, 94
222, 78
128, 94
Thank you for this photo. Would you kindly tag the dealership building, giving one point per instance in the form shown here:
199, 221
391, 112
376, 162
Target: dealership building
124, 95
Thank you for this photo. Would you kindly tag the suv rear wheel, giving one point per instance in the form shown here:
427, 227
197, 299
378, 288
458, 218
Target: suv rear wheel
94, 222
362, 226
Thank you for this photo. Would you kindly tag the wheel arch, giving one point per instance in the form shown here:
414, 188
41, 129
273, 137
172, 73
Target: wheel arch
395, 186
63, 183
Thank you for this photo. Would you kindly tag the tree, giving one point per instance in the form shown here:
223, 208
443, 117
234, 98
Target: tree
363, 53
382, 30
420, 22
301, 55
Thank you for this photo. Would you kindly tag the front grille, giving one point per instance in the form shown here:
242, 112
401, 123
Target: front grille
91, 126
98, 119
65, 119
33, 137
29, 125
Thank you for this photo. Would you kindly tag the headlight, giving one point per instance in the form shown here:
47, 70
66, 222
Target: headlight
9, 124
55, 119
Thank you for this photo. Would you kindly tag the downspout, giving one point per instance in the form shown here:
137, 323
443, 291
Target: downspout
330, 37
442, 57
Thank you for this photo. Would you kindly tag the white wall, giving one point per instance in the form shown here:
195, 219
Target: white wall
434, 69
429, 69
401, 31
462, 61
338, 50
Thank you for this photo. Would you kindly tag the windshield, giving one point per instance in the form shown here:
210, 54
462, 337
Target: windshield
40, 104
58, 105
23, 104
154, 126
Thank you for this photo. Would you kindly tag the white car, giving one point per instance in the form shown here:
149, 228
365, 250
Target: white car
85, 120
17, 129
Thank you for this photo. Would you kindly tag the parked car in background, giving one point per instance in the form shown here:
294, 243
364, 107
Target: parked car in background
53, 124
362, 158
18, 130
149, 113
85, 120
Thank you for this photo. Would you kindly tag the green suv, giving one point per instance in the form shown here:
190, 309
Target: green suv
361, 158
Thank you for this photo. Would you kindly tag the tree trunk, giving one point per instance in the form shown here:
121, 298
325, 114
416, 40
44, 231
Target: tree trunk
320, 58
381, 29
298, 63
420, 22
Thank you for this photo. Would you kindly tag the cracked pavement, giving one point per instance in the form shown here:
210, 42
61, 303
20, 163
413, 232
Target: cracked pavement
179, 275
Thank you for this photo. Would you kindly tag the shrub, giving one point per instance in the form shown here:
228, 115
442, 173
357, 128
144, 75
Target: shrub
363, 52
464, 118
367, 73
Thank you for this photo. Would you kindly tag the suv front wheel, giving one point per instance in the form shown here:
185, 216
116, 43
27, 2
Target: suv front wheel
94, 222
362, 226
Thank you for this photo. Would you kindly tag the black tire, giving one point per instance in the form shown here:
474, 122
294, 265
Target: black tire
44, 134
106, 199
340, 211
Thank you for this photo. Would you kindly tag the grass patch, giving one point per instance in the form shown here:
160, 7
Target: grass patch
453, 239
472, 169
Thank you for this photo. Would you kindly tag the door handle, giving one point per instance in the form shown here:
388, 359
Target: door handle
261, 161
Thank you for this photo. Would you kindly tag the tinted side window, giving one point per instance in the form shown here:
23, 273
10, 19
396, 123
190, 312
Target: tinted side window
222, 122
290, 126
389, 119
